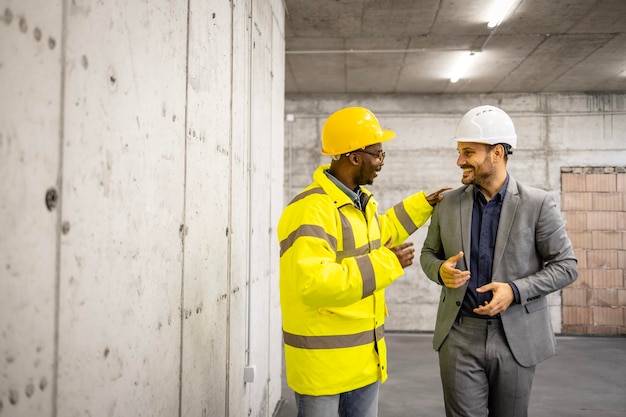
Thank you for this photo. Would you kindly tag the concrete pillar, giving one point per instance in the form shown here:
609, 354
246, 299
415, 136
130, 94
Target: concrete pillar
141, 175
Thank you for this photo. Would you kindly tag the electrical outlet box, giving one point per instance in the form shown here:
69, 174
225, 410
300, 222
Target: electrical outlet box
249, 372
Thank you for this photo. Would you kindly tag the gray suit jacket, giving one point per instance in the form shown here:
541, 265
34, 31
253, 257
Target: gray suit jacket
532, 250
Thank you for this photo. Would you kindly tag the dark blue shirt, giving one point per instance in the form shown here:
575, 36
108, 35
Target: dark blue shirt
485, 218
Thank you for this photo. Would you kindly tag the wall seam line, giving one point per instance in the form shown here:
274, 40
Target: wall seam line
183, 225
59, 221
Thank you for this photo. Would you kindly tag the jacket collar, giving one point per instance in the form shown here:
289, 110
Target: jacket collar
338, 193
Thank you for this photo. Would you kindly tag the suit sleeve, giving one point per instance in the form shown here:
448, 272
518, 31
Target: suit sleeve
432, 255
555, 250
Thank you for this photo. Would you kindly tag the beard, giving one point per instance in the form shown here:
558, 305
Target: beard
480, 175
366, 176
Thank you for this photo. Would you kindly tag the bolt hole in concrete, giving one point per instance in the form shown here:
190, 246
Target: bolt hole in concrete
112, 79
52, 198
14, 397
8, 16
30, 390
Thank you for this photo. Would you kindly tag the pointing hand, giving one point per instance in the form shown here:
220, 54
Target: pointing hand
436, 197
452, 277
404, 252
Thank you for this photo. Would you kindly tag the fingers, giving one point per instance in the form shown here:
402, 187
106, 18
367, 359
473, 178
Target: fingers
452, 277
405, 253
456, 280
485, 288
437, 194
502, 298
408, 258
405, 245
454, 259
489, 309
485, 310
436, 197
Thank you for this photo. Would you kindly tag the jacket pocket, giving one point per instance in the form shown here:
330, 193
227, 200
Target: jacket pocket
536, 305
353, 312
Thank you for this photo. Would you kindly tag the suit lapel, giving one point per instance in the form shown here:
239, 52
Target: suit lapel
507, 215
467, 202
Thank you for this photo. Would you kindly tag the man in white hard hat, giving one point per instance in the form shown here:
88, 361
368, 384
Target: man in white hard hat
337, 256
497, 248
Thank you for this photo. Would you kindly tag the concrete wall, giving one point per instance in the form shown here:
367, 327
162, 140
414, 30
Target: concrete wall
140, 149
554, 131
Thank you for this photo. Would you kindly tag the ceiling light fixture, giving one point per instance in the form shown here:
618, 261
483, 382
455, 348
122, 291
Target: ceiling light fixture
499, 11
461, 66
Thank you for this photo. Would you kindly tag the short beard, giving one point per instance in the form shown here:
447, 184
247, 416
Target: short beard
362, 179
481, 178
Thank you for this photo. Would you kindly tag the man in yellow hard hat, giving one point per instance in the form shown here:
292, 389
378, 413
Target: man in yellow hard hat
497, 247
337, 255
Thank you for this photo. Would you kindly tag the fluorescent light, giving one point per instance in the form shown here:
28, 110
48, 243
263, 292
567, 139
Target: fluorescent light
500, 9
461, 67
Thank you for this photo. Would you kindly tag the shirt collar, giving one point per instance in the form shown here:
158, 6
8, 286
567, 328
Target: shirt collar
499, 195
354, 196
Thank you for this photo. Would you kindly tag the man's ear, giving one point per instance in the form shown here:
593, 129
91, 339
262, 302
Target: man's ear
354, 158
499, 151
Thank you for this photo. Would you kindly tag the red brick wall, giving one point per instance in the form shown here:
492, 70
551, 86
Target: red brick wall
594, 206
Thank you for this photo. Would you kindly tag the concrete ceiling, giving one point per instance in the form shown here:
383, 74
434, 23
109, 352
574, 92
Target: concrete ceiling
411, 46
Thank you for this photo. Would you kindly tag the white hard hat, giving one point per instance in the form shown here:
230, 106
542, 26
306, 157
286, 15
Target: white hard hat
486, 124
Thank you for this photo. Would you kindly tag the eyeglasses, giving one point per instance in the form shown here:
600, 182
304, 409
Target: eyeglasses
380, 154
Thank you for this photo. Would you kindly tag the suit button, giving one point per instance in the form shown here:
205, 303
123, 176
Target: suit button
458, 303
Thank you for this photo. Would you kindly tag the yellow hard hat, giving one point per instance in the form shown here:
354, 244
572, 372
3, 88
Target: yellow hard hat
350, 129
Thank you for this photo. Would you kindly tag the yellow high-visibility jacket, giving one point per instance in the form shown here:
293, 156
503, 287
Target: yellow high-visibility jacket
334, 267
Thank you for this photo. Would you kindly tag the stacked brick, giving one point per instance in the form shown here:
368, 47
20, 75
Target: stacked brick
593, 201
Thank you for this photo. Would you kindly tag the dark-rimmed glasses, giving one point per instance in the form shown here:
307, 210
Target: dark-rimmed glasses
380, 154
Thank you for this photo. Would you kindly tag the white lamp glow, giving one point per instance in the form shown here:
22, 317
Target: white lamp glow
461, 67
499, 11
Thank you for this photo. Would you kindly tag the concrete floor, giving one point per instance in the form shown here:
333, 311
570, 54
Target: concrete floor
586, 378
